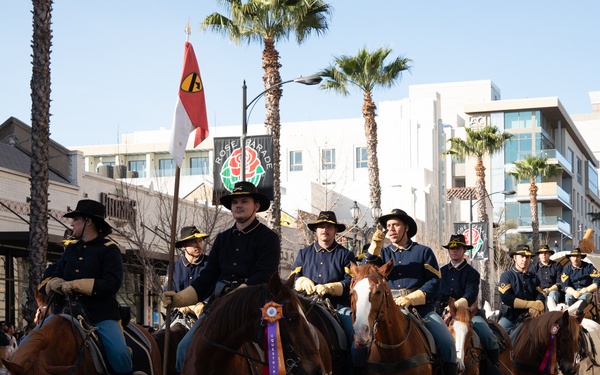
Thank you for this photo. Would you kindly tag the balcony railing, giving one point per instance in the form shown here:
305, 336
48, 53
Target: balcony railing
547, 221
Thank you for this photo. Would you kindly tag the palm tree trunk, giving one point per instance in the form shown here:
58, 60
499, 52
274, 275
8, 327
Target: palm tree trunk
40, 136
481, 191
535, 221
368, 110
271, 67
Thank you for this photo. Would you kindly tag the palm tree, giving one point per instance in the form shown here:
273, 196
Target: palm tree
479, 143
40, 136
366, 71
532, 168
268, 22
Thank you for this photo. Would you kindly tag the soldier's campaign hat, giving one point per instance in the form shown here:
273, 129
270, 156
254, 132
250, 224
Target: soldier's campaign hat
402, 216
246, 188
521, 250
457, 240
90, 209
576, 251
189, 233
327, 217
545, 249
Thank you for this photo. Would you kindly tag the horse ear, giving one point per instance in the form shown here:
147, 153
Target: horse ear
290, 281
353, 269
451, 306
386, 269
474, 308
275, 286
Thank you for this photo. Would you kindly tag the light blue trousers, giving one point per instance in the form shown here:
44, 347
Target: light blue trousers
444, 341
483, 330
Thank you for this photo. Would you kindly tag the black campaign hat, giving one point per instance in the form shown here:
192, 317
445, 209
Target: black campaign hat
545, 249
246, 188
521, 250
576, 251
189, 233
457, 240
327, 217
402, 216
91, 209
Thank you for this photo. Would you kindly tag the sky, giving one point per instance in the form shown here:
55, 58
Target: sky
116, 64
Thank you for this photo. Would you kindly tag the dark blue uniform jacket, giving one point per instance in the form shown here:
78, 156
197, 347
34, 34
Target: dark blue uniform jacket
99, 259
415, 267
324, 266
580, 277
250, 256
459, 282
549, 275
516, 284
185, 272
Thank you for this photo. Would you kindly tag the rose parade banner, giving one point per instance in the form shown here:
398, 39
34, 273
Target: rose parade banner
480, 238
228, 164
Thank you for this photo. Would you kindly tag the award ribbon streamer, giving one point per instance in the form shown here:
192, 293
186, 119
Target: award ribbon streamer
271, 313
548, 364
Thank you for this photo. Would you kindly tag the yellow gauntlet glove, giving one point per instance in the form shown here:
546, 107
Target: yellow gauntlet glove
334, 289
304, 284
376, 242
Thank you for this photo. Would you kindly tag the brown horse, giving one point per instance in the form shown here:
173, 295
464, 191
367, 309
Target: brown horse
396, 343
548, 343
222, 344
460, 325
177, 332
56, 348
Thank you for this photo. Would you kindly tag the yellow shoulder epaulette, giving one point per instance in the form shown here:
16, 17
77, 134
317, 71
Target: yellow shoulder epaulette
109, 243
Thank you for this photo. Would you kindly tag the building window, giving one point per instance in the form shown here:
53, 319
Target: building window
138, 166
327, 158
520, 120
361, 157
166, 167
295, 161
570, 158
578, 170
519, 146
199, 165
592, 182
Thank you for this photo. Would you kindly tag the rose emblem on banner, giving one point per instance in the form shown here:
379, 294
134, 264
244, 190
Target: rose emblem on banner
477, 241
232, 168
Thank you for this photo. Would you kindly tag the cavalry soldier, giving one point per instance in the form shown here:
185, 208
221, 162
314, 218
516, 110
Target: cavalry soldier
520, 290
579, 279
91, 268
323, 268
246, 254
188, 267
461, 282
549, 272
415, 278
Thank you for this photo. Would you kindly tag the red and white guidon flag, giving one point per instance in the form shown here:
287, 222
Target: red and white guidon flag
190, 111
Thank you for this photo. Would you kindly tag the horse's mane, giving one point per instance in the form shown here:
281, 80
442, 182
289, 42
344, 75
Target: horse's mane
367, 270
241, 306
28, 355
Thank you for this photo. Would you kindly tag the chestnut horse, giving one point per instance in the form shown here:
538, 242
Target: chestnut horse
548, 343
459, 323
57, 347
224, 340
397, 344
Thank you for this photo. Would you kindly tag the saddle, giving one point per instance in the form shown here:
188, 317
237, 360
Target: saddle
324, 311
134, 339
503, 343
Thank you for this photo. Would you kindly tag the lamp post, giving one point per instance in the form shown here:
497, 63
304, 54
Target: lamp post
355, 213
308, 80
471, 204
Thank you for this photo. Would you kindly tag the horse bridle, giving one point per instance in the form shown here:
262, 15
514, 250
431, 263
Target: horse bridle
475, 358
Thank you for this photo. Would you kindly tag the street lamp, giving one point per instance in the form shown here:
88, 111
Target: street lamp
355, 214
308, 80
471, 204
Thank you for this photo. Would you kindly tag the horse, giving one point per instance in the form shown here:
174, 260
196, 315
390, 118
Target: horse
269, 315
589, 343
548, 343
324, 321
469, 351
58, 347
176, 334
396, 344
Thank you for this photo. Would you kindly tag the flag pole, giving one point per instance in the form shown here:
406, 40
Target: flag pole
188, 31
171, 263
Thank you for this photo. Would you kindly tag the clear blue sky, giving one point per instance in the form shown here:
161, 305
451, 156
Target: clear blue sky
116, 64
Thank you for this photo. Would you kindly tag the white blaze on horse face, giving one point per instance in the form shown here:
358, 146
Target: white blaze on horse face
362, 329
460, 337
